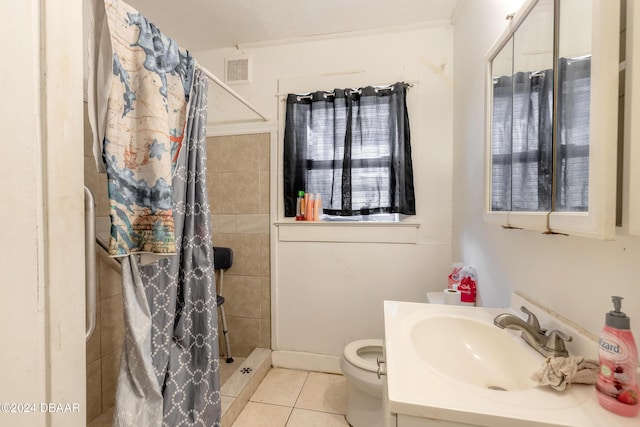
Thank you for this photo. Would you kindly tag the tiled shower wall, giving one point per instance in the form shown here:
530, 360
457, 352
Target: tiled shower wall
238, 185
105, 346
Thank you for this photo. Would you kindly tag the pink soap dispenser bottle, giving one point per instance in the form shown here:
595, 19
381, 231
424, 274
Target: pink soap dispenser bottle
616, 384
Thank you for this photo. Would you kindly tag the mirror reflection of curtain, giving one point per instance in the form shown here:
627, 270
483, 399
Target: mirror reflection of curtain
532, 152
522, 127
572, 156
501, 144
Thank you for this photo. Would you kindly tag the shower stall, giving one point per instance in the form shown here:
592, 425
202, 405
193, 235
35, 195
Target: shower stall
238, 181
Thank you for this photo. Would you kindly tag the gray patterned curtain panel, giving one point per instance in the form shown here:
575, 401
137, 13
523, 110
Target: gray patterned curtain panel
169, 371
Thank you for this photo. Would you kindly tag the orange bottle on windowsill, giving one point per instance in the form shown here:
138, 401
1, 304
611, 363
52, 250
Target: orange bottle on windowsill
308, 213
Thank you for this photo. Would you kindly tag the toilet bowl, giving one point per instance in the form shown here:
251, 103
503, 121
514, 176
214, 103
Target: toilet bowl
358, 364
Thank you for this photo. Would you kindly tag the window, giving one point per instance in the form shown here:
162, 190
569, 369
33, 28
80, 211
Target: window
351, 146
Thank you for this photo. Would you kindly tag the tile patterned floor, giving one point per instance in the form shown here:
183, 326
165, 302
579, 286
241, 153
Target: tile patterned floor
290, 398
287, 398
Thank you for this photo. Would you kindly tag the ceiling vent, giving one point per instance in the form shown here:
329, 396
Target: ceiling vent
237, 70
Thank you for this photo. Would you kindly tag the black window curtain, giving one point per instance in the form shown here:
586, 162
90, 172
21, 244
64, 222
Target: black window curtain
351, 146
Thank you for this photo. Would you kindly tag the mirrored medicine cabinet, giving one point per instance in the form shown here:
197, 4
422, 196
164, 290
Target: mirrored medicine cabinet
552, 129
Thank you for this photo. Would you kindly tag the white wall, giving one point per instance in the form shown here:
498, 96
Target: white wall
22, 331
41, 240
326, 294
572, 276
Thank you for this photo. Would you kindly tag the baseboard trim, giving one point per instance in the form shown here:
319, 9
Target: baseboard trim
306, 361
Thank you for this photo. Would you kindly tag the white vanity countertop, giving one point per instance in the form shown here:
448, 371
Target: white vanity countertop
416, 389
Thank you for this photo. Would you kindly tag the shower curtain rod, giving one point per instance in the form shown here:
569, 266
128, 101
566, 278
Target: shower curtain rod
232, 92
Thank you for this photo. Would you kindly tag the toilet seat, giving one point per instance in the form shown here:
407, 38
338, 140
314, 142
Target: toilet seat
363, 353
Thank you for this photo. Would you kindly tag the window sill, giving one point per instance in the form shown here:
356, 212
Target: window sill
347, 232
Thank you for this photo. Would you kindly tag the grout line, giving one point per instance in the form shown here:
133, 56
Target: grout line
306, 378
294, 407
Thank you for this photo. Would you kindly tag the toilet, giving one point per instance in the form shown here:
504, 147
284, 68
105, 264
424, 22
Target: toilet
359, 366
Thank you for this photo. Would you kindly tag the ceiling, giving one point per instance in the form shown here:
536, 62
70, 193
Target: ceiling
211, 24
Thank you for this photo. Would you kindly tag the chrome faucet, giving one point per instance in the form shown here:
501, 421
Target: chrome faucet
532, 334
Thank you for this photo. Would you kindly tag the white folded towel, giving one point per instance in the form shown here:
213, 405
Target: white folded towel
561, 372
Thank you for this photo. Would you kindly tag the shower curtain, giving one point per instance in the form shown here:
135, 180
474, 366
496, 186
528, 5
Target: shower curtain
148, 110
169, 369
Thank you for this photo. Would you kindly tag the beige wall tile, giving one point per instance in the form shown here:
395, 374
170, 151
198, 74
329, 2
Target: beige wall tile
94, 390
238, 183
265, 255
265, 298
111, 324
246, 252
110, 276
265, 198
252, 224
97, 183
91, 174
102, 198
213, 154
244, 335
239, 153
242, 295
214, 224
93, 345
104, 420
110, 369
221, 239
265, 151
214, 192
227, 223
265, 333
240, 192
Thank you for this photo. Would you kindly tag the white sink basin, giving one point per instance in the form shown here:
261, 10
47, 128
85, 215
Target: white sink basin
450, 363
473, 352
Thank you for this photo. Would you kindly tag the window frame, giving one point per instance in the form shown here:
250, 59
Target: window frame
362, 214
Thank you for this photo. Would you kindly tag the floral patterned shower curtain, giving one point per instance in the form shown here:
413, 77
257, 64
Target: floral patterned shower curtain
143, 82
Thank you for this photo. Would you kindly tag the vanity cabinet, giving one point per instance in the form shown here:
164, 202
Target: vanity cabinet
409, 421
403, 420
422, 388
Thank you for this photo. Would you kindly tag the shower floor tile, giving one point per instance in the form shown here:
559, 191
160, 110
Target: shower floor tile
227, 369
